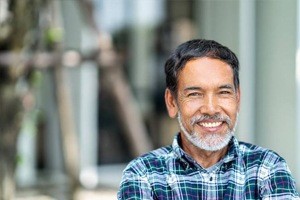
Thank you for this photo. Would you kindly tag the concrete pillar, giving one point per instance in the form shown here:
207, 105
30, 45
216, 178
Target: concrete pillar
246, 127
219, 20
298, 95
275, 78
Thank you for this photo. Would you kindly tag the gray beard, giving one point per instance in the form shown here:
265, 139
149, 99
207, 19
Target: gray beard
208, 142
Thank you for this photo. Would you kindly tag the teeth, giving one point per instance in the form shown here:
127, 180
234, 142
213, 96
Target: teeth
210, 124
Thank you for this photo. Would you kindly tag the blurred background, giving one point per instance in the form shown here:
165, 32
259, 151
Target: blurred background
82, 85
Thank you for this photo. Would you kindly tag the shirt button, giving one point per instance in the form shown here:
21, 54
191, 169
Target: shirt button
186, 166
211, 178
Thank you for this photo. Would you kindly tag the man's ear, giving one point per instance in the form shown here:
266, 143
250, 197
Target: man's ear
171, 103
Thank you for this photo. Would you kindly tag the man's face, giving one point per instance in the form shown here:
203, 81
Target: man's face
206, 104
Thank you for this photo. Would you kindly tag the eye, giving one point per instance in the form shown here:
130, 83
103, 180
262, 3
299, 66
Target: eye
226, 93
194, 94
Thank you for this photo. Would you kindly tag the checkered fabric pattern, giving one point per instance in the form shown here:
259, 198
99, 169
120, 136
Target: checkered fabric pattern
246, 172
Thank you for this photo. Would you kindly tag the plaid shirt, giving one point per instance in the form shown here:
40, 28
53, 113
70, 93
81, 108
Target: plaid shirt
246, 172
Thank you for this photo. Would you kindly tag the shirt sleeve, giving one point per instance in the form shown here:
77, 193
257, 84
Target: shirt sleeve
277, 183
134, 186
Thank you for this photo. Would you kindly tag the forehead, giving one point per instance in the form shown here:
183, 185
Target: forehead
206, 71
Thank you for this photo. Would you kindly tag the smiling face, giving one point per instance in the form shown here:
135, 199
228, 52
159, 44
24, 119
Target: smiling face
206, 103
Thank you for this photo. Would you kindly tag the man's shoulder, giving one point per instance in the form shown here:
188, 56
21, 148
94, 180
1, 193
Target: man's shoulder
257, 154
154, 159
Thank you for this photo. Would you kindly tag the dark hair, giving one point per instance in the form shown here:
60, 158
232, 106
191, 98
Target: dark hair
194, 49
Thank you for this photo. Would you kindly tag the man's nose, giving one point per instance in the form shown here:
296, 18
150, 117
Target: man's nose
210, 105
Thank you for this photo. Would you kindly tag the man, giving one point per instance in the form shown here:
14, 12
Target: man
205, 160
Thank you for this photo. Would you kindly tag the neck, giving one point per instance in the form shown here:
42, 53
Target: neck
204, 158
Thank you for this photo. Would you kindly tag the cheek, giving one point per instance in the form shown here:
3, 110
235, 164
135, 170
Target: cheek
231, 108
189, 108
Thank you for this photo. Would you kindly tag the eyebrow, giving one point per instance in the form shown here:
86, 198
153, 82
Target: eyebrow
192, 88
226, 86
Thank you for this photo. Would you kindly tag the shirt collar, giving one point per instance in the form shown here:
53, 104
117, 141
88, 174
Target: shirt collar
176, 147
233, 150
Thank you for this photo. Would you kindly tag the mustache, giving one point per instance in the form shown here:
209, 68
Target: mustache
217, 117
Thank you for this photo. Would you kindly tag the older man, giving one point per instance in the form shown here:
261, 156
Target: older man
205, 160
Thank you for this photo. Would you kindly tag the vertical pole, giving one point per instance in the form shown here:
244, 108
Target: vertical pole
246, 128
68, 130
298, 96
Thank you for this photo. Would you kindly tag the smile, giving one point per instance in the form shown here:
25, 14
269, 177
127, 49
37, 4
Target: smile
210, 124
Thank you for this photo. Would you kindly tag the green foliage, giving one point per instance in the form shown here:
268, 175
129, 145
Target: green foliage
53, 36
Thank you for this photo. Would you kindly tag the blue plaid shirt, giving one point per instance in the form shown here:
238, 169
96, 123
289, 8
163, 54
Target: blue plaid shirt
246, 172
